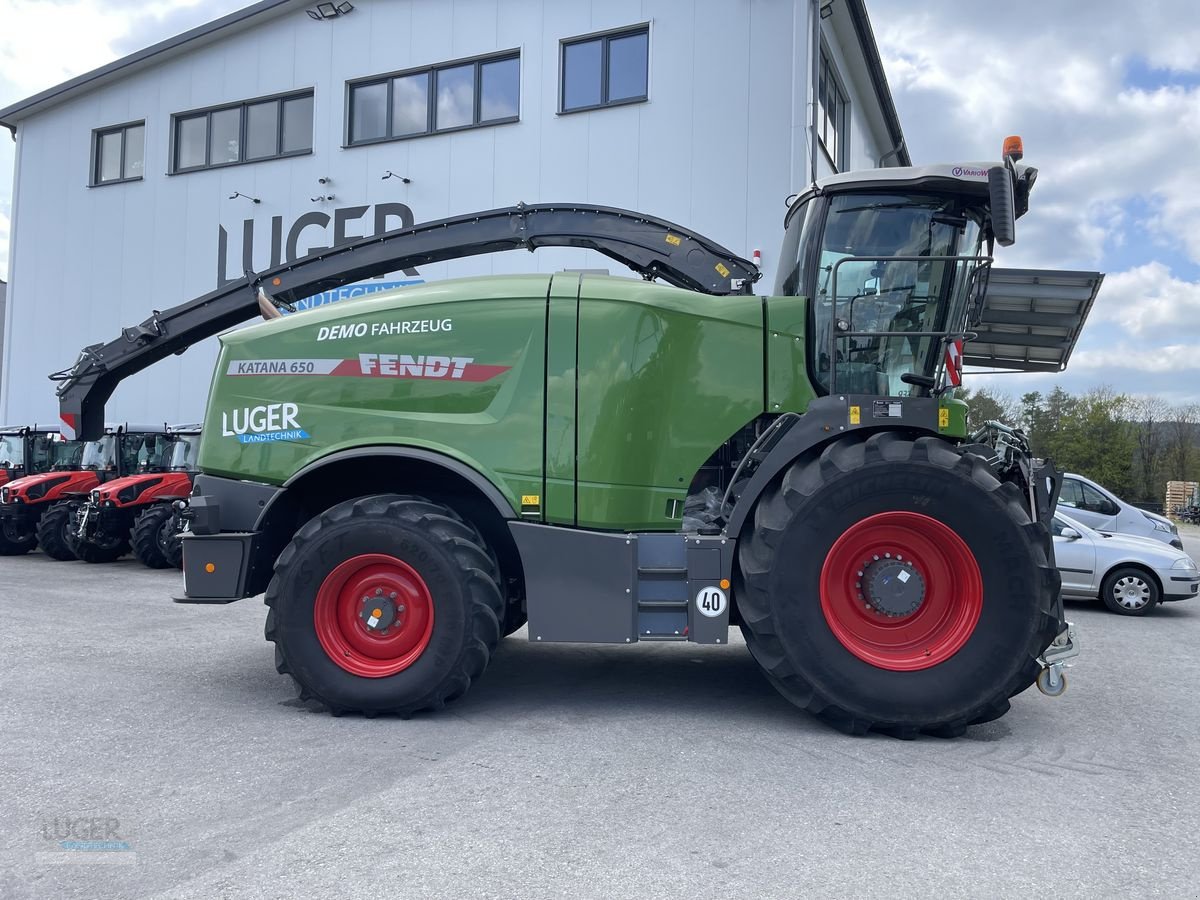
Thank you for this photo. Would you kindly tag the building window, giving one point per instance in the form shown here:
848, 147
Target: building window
118, 153
832, 118
449, 97
242, 132
604, 70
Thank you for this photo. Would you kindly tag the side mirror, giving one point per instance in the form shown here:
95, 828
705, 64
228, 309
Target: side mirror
1070, 534
1004, 214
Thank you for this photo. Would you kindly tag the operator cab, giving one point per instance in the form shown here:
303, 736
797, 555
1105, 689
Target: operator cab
893, 264
185, 447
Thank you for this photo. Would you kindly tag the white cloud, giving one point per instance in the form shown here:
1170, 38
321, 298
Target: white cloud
1116, 156
1149, 301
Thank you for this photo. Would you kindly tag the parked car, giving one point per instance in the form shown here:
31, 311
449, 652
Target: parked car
1087, 502
1130, 574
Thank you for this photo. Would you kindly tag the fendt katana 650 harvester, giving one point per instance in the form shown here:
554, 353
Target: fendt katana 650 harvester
408, 477
40, 510
137, 512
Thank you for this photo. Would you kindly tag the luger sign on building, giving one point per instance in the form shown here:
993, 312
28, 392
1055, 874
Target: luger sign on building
159, 176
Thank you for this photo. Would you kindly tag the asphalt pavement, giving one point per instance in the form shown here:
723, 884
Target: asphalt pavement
655, 770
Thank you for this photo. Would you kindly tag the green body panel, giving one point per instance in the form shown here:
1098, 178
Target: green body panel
587, 400
952, 417
788, 386
561, 330
665, 377
488, 418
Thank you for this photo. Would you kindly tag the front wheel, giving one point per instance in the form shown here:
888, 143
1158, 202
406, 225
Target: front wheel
384, 604
895, 584
1130, 592
148, 544
55, 532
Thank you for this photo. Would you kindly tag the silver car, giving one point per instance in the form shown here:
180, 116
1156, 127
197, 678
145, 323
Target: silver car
1130, 574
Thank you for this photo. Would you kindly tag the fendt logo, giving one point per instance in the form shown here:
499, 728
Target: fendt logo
373, 365
263, 424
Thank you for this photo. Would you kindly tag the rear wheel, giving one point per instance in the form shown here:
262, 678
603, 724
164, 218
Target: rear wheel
895, 584
384, 604
148, 544
1130, 592
54, 532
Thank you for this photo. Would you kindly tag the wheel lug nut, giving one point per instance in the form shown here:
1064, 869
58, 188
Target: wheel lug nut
400, 608
392, 595
378, 592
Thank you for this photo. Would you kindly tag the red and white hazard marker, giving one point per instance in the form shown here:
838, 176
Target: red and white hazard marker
954, 350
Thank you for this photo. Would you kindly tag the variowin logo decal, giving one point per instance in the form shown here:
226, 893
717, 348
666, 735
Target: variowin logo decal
263, 424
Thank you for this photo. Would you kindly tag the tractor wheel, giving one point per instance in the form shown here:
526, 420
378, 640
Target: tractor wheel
384, 604
10, 547
1130, 591
54, 532
100, 553
894, 584
148, 537
171, 541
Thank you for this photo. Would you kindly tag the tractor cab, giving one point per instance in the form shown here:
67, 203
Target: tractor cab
894, 264
185, 448
27, 450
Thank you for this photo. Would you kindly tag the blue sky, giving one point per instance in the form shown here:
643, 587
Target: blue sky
1106, 95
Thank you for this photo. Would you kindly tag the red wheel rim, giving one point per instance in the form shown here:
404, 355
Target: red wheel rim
945, 615
391, 589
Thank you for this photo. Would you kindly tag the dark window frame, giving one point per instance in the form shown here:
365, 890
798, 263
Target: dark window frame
840, 120
606, 37
431, 72
242, 106
98, 134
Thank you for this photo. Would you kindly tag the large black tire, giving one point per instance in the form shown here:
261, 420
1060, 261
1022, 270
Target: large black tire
1130, 591
449, 557
798, 522
170, 538
10, 547
96, 553
148, 537
54, 532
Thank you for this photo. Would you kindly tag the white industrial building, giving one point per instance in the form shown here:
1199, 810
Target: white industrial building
290, 126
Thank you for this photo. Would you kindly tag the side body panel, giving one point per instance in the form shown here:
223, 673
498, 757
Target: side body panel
665, 376
457, 368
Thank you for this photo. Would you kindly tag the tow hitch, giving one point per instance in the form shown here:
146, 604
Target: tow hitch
1052, 680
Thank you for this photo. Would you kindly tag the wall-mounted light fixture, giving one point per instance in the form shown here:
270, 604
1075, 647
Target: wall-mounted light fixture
237, 194
330, 10
322, 198
390, 174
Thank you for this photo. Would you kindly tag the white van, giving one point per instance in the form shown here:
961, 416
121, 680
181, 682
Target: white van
1083, 499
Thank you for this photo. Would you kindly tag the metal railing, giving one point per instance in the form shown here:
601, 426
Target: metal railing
837, 333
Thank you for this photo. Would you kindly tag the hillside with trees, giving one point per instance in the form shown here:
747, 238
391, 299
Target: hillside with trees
1131, 445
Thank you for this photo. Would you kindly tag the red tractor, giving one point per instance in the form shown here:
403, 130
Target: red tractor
39, 510
26, 450
30, 450
138, 510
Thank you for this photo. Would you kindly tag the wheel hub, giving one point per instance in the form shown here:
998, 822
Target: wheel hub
892, 587
380, 611
374, 615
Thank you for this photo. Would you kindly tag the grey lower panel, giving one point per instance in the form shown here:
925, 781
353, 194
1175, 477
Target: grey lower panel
578, 584
599, 587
